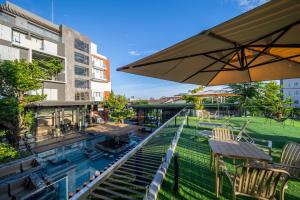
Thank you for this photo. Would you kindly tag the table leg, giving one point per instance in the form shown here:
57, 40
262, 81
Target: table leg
211, 160
217, 175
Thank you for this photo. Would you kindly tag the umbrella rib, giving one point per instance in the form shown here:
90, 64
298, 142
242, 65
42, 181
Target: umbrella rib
220, 60
174, 67
270, 54
206, 67
218, 72
267, 46
274, 60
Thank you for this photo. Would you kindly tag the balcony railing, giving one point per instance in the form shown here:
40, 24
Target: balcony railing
98, 77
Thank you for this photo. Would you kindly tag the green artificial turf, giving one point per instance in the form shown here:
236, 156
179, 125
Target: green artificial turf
198, 182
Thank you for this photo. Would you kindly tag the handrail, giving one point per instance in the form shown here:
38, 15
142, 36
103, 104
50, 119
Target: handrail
83, 193
153, 189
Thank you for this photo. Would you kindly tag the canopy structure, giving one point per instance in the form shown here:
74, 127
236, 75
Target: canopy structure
214, 93
262, 44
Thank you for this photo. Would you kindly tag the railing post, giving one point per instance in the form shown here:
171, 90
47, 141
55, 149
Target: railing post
176, 173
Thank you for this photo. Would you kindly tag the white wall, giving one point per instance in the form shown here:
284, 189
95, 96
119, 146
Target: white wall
93, 48
5, 33
20, 39
97, 87
9, 53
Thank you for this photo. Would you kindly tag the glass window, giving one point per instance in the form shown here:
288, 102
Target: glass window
6, 17
17, 36
81, 58
43, 32
78, 44
83, 96
81, 71
81, 83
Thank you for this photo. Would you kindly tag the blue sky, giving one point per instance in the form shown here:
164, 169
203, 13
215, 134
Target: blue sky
127, 30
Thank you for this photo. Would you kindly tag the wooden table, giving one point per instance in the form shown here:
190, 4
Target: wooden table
235, 150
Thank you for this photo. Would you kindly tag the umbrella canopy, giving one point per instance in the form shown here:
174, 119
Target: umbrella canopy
262, 44
213, 93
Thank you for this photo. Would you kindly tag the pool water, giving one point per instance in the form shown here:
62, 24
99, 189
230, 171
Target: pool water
73, 161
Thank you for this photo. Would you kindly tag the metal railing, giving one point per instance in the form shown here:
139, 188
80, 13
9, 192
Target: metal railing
138, 165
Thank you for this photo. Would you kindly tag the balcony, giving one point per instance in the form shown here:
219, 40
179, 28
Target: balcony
98, 64
99, 77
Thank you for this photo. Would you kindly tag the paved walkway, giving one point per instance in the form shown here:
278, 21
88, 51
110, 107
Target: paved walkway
60, 141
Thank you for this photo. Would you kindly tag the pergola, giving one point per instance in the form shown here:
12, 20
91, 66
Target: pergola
262, 44
214, 93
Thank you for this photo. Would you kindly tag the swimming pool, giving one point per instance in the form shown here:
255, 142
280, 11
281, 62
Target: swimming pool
78, 161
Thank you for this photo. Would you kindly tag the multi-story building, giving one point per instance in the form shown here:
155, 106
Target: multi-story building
291, 88
100, 83
84, 79
24, 35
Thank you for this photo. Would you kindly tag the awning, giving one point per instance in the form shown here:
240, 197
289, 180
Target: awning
262, 44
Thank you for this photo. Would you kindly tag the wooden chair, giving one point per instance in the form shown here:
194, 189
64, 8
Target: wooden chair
265, 145
290, 160
258, 182
223, 134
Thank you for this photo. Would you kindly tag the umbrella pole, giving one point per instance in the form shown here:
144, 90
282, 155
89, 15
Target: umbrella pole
218, 107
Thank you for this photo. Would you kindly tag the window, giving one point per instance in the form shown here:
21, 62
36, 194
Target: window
81, 58
296, 93
81, 71
296, 83
81, 83
42, 31
17, 36
296, 102
38, 42
83, 96
78, 44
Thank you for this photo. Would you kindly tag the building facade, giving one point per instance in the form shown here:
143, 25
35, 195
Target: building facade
291, 88
76, 90
24, 35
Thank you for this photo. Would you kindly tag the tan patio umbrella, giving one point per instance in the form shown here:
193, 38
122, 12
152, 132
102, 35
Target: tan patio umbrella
262, 44
214, 93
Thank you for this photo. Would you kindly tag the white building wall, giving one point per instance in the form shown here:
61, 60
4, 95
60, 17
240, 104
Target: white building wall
5, 33
291, 87
98, 90
9, 53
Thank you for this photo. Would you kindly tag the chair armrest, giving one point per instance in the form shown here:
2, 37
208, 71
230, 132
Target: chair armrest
285, 166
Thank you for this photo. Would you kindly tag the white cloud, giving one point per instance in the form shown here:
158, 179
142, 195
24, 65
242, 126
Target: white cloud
134, 53
141, 53
246, 5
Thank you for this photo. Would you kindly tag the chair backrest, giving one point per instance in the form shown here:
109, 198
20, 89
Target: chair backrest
223, 134
242, 135
290, 156
259, 182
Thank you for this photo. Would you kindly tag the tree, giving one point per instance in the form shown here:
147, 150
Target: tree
140, 102
271, 100
17, 80
247, 92
118, 109
196, 100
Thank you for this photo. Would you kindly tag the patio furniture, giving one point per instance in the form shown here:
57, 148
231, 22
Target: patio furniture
257, 182
290, 160
265, 145
223, 134
236, 150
